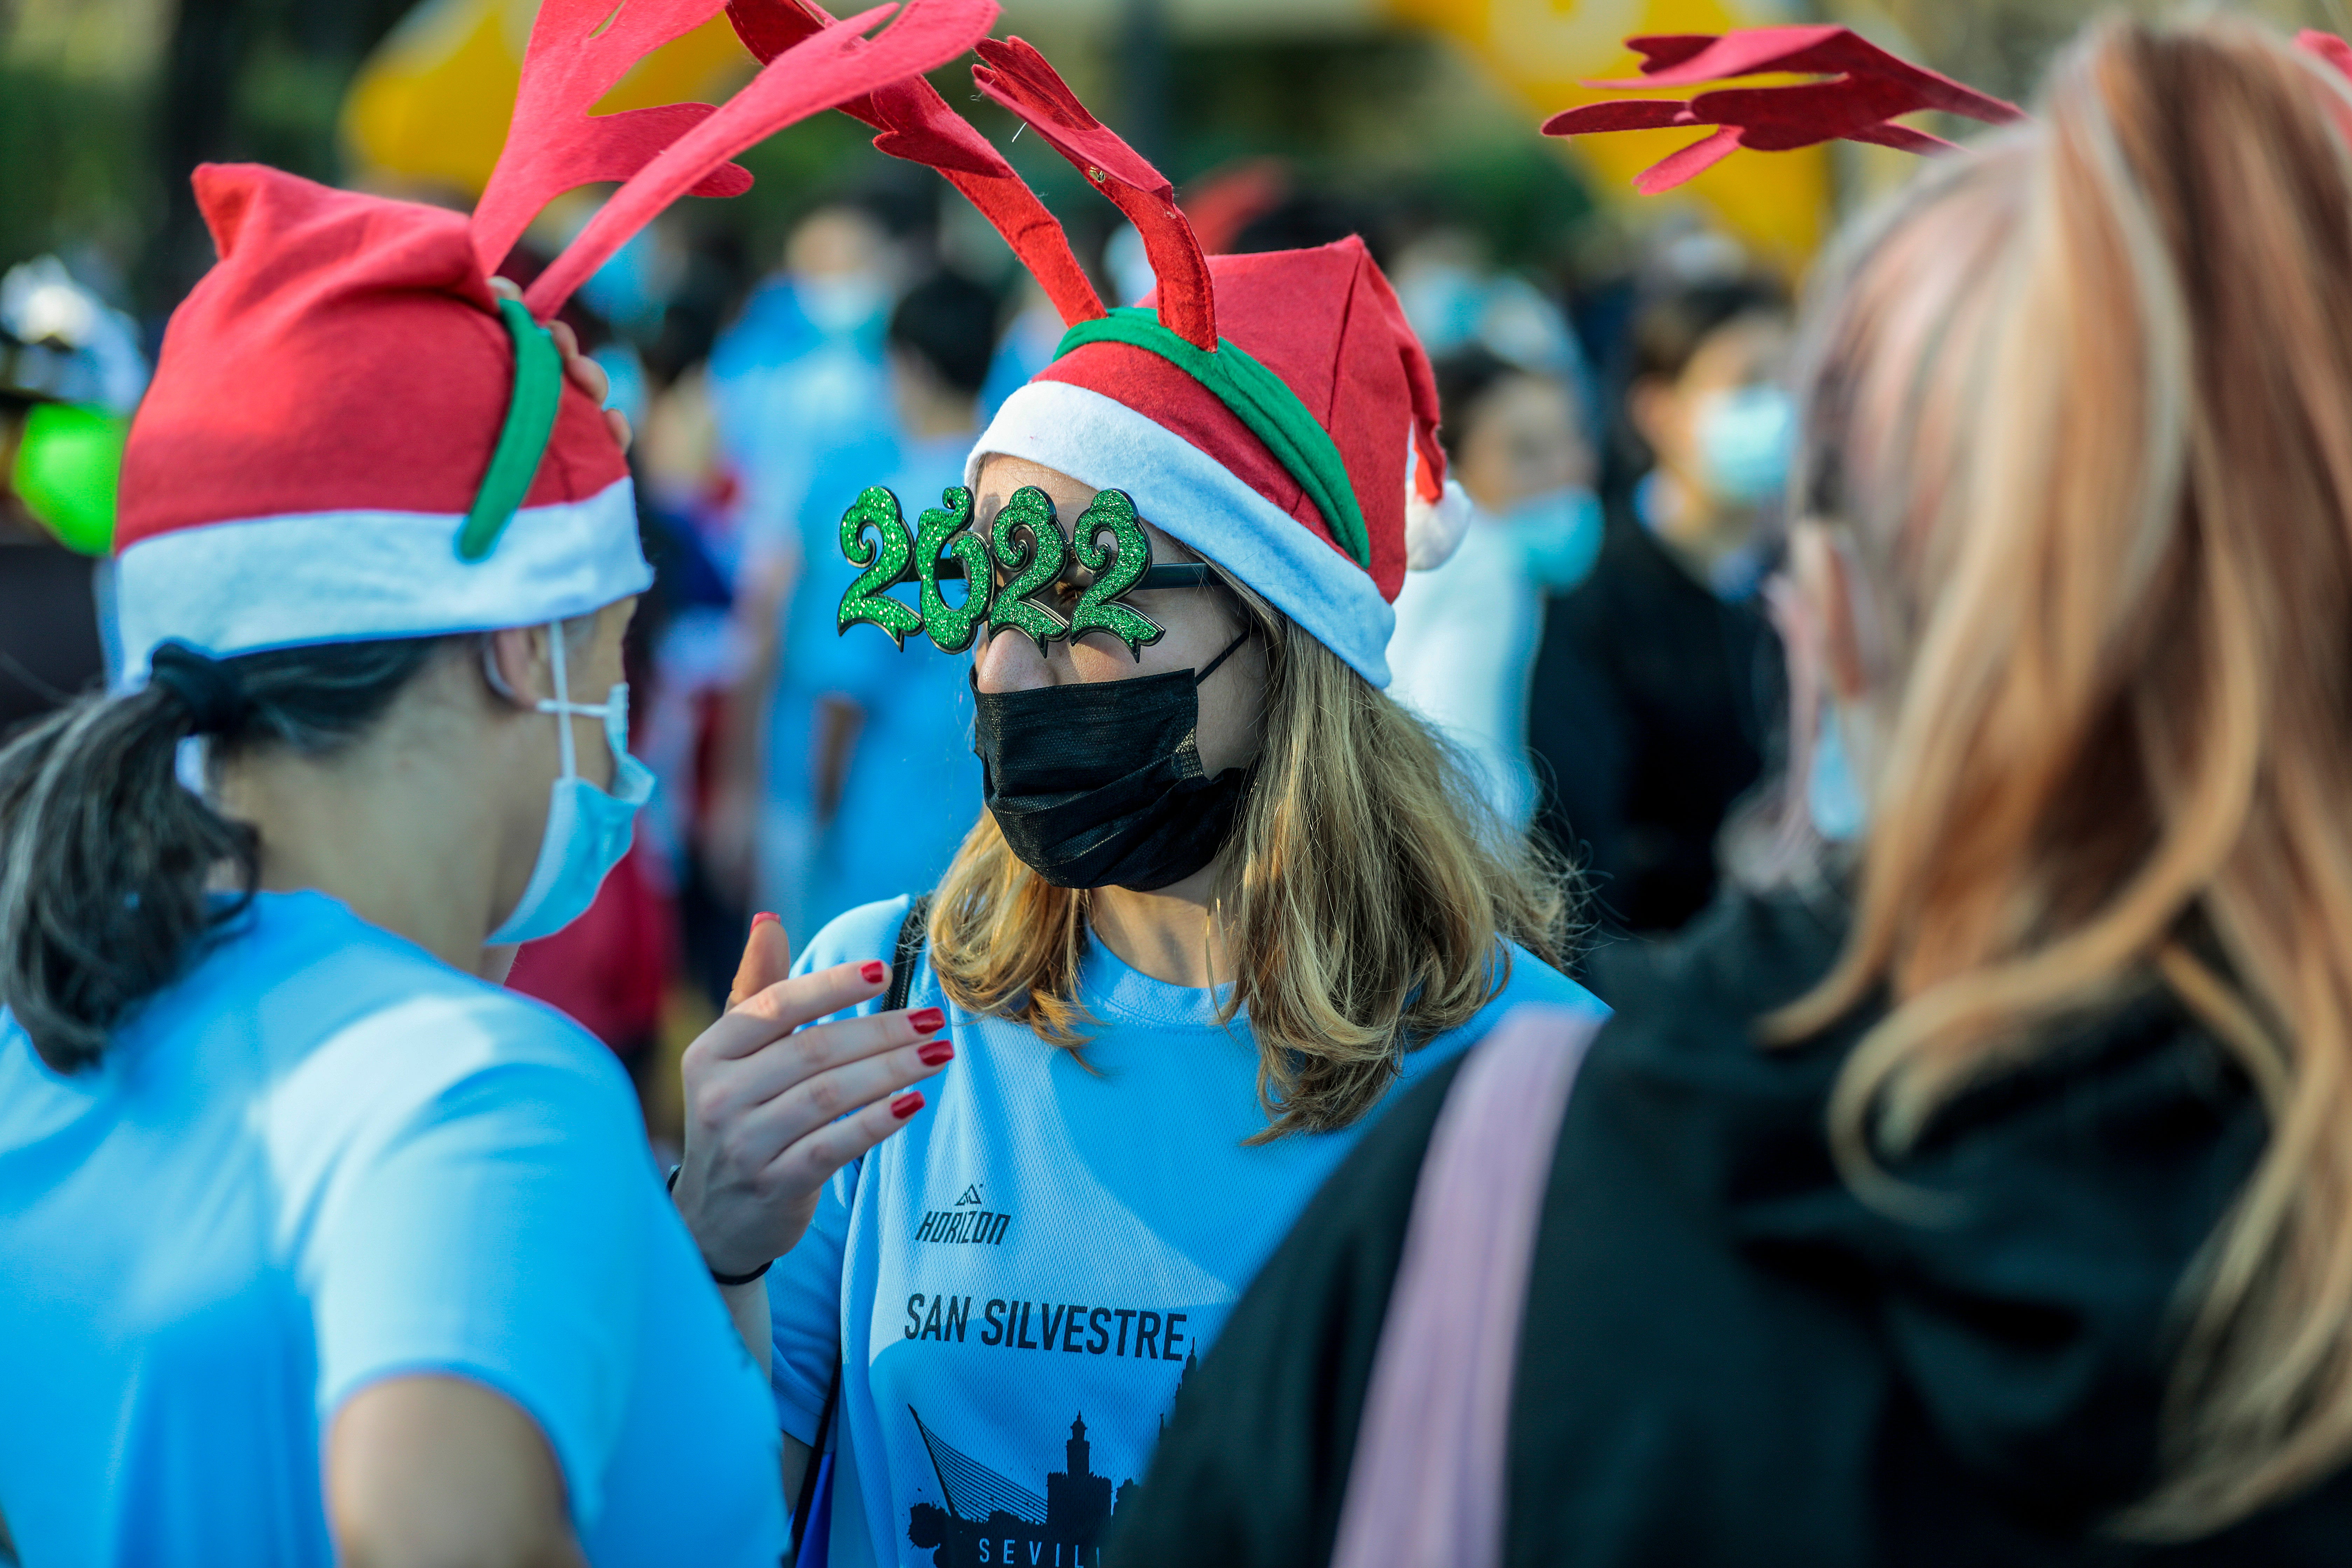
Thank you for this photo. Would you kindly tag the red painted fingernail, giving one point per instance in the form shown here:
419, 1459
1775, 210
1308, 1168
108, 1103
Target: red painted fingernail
762, 918
874, 970
935, 1053
928, 1020
907, 1104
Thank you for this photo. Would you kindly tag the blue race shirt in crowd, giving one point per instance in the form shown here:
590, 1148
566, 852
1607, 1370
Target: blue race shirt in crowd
913, 742
323, 1159
1022, 1275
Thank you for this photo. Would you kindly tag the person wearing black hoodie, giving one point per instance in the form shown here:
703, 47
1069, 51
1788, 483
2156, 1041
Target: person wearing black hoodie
69, 371
1655, 692
1971, 1191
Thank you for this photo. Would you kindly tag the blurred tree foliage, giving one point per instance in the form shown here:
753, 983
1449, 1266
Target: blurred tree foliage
75, 169
106, 104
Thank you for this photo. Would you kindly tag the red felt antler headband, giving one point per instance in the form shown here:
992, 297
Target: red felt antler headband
1866, 91
580, 48
1017, 77
917, 124
1867, 88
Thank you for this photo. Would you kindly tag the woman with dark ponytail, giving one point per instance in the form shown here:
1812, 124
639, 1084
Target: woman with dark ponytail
109, 866
316, 1245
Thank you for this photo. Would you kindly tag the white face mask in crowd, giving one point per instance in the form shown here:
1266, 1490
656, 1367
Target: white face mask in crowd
1559, 532
838, 305
588, 829
1745, 440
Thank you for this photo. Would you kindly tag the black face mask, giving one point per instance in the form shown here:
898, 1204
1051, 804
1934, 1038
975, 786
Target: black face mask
1099, 785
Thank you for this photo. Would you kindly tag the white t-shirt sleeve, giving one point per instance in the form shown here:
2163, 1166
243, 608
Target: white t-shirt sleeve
492, 1227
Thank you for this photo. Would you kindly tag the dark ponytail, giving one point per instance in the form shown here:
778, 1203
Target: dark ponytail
113, 873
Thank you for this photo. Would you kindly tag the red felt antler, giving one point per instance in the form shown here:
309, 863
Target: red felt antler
1017, 77
2327, 47
1867, 89
917, 124
554, 144
822, 71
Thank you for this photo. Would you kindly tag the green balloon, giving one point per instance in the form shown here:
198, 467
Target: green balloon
68, 463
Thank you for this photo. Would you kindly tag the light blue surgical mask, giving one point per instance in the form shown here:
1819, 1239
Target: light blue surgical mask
1832, 799
588, 829
1745, 442
1558, 535
838, 306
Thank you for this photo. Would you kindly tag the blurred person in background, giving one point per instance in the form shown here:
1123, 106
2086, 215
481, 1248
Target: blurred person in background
1456, 300
800, 376
1655, 692
801, 371
1025, 347
1467, 631
1976, 1194
70, 372
859, 737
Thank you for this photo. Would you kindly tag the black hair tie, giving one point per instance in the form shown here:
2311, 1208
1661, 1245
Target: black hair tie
209, 688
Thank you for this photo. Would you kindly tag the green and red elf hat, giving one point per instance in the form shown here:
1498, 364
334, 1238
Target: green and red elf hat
1272, 412
351, 437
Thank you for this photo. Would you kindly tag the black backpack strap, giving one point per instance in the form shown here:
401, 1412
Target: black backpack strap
808, 1472
912, 932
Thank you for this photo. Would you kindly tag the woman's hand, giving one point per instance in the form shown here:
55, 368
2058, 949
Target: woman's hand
774, 1108
583, 371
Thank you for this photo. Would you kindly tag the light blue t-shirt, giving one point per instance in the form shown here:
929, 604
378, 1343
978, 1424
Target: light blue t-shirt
323, 1158
1023, 1275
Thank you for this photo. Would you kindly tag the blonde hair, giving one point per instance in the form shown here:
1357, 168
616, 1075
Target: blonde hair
2080, 408
1365, 892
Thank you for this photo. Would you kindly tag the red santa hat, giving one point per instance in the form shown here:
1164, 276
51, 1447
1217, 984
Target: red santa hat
1272, 412
349, 436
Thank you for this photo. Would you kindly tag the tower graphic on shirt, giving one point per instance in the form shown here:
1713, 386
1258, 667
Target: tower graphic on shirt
992, 1521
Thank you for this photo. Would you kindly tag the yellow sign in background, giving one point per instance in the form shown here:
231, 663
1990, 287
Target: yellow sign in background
1545, 50
430, 106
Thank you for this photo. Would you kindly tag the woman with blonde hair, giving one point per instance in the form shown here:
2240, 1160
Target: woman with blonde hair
1983, 1196
1225, 897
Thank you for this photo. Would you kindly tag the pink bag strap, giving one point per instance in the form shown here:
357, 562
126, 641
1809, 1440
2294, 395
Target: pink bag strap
1426, 1487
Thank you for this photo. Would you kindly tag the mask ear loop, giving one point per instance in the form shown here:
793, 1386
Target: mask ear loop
562, 707
1230, 648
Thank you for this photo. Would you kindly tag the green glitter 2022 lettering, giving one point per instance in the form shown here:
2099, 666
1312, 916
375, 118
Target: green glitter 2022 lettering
947, 528
1113, 513
1035, 562
888, 563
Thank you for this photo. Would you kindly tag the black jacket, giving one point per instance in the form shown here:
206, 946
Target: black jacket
49, 650
1649, 712
1728, 1358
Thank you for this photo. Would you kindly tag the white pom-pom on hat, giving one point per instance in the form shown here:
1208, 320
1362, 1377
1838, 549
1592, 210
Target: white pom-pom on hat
1432, 530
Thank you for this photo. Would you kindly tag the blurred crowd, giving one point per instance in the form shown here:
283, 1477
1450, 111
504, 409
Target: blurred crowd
1599, 648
